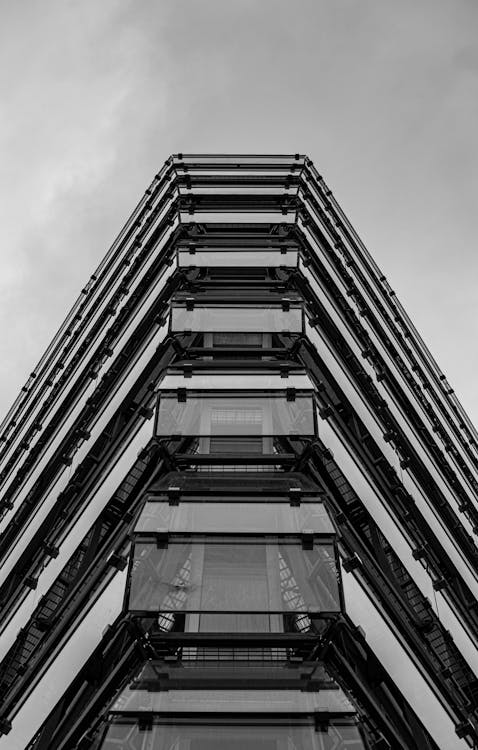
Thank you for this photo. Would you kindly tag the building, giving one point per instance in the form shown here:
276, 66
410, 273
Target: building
239, 500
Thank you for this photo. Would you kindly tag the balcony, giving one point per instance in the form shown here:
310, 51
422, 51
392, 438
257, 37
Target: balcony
233, 583
221, 517
286, 318
257, 257
212, 414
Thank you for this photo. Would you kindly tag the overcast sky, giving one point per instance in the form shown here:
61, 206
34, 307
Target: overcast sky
381, 94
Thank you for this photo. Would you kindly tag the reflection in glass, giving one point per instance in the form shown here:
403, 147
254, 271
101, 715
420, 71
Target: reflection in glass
251, 414
241, 517
238, 257
242, 319
233, 737
234, 577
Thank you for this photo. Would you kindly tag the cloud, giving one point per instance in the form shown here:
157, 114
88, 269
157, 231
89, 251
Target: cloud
381, 95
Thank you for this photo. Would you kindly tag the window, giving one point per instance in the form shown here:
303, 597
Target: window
257, 257
206, 413
248, 425
243, 319
238, 577
241, 517
226, 669
232, 736
237, 345
255, 383
237, 340
239, 702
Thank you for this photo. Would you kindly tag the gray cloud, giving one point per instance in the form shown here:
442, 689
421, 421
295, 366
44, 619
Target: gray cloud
383, 97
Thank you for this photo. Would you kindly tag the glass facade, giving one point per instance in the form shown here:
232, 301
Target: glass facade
247, 413
242, 318
244, 382
241, 701
246, 495
232, 668
236, 736
240, 517
234, 575
227, 622
237, 257
218, 569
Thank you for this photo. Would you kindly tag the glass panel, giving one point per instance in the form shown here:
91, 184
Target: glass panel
242, 495
226, 445
238, 623
263, 518
240, 576
261, 414
232, 669
260, 488
237, 701
239, 257
251, 383
235, 340
268, 214
234, 737
235, 483
243, 319
256, 163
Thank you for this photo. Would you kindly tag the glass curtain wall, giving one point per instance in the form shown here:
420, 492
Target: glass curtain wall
236, 736
239, 318
243, 569
244, 575
235, 414
234, 257
203, 516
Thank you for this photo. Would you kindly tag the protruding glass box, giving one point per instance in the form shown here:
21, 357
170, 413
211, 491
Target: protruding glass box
250, 380
247, 576
240, 517
320, 718
241, 736
237, 318
226, 669
237, 257
223, 413
241, 702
